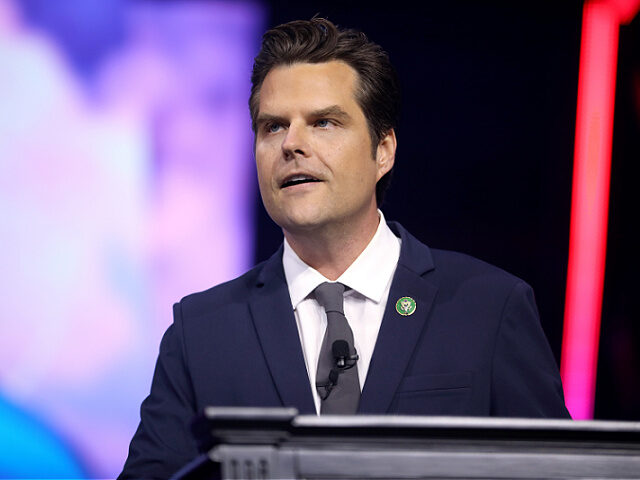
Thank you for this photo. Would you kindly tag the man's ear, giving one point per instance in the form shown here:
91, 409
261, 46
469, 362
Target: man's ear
386, 153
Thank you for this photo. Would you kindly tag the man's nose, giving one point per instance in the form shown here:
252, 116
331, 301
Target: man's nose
295, 141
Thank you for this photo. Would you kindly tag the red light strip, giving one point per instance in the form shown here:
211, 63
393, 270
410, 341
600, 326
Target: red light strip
590, 199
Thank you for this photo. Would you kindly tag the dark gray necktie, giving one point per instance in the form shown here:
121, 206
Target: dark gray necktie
337, 377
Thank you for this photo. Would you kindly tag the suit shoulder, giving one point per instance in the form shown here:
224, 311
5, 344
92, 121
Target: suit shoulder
459, 267
449, 268
236, 290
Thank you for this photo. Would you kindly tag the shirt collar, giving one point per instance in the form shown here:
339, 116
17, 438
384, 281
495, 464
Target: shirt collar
368, 275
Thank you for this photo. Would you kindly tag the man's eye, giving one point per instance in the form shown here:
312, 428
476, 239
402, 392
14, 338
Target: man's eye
322, 123
273, 127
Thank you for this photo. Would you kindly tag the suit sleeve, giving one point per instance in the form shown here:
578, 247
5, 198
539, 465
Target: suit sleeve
525, 377
163, 442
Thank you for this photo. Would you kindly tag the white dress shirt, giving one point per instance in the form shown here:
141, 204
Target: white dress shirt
369, 279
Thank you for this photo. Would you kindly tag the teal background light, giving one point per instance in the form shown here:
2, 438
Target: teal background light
29, 449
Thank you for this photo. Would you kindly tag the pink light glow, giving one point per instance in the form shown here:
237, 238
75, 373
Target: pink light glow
590, 199
120, 192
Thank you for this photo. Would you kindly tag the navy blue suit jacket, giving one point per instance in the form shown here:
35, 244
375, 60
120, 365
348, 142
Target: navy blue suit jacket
474, 346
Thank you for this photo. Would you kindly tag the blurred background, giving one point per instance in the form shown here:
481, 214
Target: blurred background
127, 181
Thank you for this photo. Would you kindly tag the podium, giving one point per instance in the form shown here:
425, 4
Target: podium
257, 443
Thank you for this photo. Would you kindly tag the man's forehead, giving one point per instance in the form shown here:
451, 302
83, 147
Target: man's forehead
313, 86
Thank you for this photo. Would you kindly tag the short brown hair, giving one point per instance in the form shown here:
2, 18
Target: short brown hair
318, 41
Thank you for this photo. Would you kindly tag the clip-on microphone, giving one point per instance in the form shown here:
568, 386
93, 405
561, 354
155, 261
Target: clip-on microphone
344, 360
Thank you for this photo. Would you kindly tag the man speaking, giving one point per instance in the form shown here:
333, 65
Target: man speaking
352, 314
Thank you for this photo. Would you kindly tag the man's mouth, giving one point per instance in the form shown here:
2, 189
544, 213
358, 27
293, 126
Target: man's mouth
297, 180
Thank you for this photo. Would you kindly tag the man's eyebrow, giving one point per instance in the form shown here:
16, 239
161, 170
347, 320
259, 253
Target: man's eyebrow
332, 111
267, 117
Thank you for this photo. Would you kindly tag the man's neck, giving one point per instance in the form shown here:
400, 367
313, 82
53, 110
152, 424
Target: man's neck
332, 251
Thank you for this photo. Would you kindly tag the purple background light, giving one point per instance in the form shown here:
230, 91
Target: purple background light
126, 182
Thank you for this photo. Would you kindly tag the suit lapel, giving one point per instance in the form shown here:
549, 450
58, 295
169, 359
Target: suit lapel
398, 334
278, 334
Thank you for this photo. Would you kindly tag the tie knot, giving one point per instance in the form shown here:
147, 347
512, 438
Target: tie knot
331, 296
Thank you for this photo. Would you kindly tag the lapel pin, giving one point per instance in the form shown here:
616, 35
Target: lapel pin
406, 306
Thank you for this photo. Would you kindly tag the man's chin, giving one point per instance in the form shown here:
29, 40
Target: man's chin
302, 224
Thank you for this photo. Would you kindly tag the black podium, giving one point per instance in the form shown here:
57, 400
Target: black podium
277, 444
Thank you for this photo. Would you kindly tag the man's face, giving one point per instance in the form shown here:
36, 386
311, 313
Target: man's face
313, 149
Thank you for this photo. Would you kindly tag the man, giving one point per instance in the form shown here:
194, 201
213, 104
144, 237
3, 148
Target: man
424, 332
